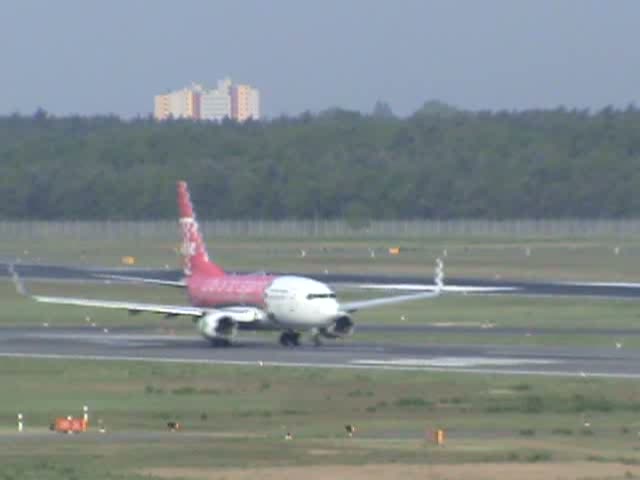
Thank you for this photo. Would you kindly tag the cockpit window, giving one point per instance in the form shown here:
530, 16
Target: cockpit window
311, 296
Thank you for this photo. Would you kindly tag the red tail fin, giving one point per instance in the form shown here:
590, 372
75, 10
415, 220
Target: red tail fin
194, 251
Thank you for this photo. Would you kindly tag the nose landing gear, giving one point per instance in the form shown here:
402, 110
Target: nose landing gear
290, 339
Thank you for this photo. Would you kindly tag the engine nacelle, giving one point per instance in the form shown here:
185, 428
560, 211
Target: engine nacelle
342, 327
214, 326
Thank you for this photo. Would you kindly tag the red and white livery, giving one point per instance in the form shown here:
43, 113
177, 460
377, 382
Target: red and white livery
221, 303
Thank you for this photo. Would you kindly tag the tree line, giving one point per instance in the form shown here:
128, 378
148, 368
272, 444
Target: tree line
438, 163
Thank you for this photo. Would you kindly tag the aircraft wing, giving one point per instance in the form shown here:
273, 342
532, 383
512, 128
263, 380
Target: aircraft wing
407, 287
240, 314
437, 287
435, 291
351, 307
133, 307
151, 281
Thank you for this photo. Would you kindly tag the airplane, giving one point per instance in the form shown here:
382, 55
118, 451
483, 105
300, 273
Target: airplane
222, 303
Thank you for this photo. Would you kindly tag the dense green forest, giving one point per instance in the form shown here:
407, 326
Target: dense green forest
437, 163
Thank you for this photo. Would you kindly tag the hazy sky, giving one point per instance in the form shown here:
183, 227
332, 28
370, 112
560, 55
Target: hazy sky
86, 56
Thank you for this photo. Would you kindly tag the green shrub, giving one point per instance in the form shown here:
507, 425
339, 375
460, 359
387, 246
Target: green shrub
542, 456
252, 413
290, 411
412, 402
360, 393
533, 404
209, 391
502, 407
184, 391
580, 403
150, 390
596, 458
452, 401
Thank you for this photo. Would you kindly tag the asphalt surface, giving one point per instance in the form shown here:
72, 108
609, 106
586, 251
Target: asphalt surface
577, 289
136, 344
141, 345
491, 329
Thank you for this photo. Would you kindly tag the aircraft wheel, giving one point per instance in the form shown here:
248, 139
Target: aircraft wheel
284, 339
290, 339
316, 338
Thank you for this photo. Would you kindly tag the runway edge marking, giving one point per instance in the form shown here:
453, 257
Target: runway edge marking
485, 371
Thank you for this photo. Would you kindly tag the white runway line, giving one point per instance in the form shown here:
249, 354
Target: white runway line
95, 336
458, 362
425, 369
600, 284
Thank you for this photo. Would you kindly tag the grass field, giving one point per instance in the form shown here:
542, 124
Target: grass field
570, 259
485, 258
527, 313
237, 417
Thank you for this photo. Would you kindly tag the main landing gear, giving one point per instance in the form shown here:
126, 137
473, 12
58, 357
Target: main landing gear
316, 338
290, 339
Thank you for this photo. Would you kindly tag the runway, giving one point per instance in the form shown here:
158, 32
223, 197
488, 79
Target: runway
143, 345
504, 287
140, 345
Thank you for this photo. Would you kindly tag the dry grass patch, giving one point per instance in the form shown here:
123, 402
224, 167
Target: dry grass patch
472, 471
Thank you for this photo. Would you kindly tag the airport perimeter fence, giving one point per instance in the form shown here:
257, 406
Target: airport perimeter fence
113, 230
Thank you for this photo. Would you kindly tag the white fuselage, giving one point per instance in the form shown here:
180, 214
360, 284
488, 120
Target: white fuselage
300, 303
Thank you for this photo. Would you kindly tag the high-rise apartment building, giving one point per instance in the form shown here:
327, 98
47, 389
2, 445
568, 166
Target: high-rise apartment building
245, 103
238, 102
254, 104
215, 104
183, 103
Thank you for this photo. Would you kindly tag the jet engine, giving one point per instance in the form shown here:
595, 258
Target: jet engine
217, 327
342, 327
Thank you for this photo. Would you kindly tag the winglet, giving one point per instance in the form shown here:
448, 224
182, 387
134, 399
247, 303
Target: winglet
17, 281
439, 275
